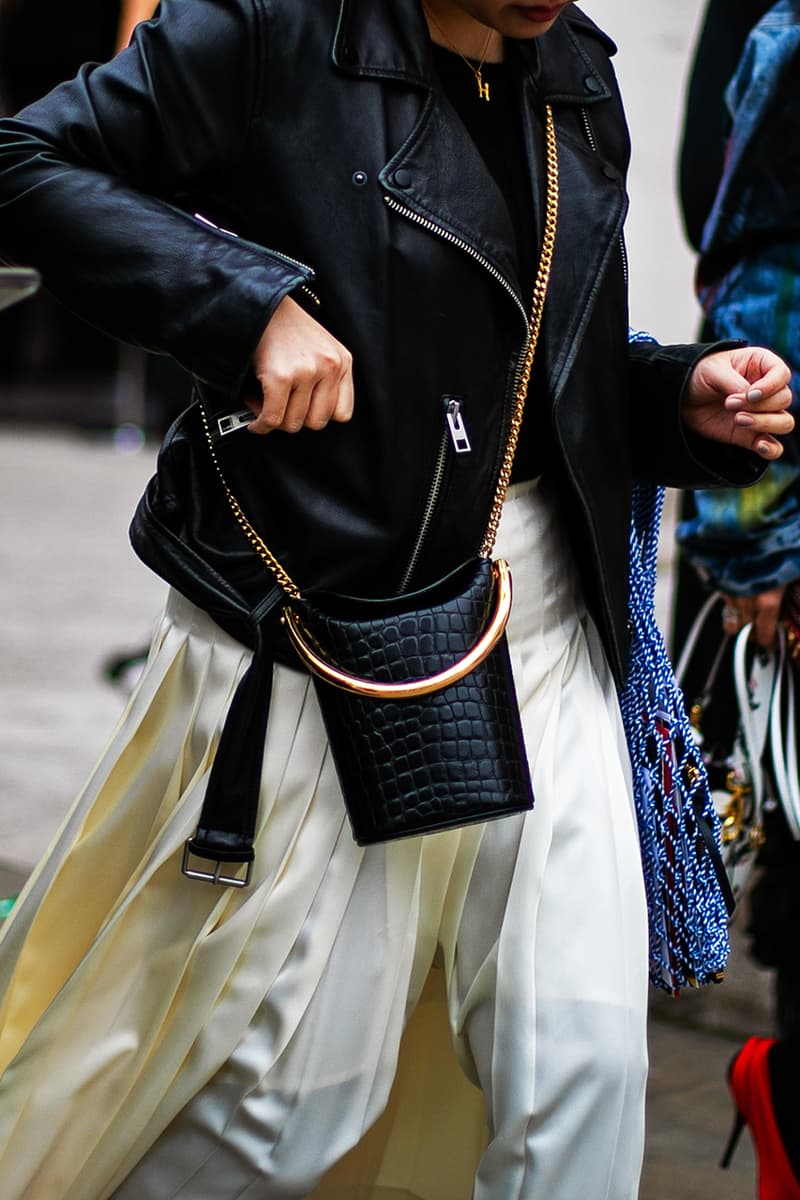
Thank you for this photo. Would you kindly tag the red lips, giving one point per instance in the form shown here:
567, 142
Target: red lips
539, 13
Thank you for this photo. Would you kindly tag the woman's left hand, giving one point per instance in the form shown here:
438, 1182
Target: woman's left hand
741, 397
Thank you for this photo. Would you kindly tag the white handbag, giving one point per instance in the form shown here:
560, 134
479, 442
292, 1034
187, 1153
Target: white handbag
749, 684
783, 737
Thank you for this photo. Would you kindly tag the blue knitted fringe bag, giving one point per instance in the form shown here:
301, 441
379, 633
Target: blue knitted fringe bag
688, 898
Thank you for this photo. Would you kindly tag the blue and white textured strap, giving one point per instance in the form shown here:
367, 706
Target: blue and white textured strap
678, 827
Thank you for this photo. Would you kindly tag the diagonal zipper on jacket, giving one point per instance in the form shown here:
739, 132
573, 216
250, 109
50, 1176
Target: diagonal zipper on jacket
524, 364
454, 240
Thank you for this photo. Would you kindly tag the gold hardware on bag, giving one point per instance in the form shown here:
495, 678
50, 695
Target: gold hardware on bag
733, 816
691, 774
412, 687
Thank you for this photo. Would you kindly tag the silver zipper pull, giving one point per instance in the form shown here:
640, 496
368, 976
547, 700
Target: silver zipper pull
233, 421
455, 423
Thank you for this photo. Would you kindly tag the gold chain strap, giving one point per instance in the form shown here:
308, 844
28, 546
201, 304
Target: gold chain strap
534, 328
253, 536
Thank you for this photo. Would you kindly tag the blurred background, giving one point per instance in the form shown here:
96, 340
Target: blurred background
80, 421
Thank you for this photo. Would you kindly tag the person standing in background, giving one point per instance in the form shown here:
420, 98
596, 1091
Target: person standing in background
724, 31
740, 195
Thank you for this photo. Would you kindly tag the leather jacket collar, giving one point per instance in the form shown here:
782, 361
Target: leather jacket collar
389, 40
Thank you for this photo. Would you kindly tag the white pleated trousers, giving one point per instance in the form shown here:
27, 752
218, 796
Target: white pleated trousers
189, 1042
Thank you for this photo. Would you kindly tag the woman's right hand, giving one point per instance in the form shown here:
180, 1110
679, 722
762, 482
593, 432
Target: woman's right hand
306, 376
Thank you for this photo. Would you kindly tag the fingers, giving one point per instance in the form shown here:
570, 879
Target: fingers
765, 621
761, 411
343, 410
767, 373
332, 397
737, 611
762, 431
305, 374
761, 611
310, 394
757, 400
741, 397
760, 418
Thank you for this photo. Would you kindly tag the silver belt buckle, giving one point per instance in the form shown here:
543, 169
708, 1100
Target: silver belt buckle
215, 876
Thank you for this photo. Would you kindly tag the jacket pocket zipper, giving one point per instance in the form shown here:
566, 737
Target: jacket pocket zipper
454, 432
453, 240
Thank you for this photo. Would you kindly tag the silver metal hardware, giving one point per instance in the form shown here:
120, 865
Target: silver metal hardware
427, 515
458, 430
233, 421
215, 876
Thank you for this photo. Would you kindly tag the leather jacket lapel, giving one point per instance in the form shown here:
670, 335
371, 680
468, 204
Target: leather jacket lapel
592, 207
438, 177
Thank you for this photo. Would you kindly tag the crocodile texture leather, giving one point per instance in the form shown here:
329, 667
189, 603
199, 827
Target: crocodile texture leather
418, 765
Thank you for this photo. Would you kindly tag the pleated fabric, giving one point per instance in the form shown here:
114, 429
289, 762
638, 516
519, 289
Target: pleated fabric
161, 1038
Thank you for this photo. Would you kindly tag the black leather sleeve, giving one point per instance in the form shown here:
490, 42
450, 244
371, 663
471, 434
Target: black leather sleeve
664, 450
95, 177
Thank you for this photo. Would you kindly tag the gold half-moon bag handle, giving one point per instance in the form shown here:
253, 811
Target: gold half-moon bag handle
407, 690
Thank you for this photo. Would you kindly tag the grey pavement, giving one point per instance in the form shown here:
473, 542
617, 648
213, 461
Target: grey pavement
71, 592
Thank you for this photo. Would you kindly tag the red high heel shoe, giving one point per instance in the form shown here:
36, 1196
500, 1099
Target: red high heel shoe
752, 1090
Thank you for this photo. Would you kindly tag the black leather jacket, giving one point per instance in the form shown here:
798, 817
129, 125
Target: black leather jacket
316, 128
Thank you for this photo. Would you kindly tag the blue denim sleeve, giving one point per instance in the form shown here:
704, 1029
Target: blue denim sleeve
748, 541
745, 541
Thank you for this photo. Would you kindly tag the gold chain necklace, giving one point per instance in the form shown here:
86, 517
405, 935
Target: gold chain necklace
483, 88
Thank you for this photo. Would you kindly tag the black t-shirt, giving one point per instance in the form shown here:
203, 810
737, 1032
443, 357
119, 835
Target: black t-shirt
497, 130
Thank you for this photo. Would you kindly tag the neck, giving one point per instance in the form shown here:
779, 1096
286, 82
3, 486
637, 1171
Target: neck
450, 26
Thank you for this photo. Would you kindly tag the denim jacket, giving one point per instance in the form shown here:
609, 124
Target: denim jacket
748, 283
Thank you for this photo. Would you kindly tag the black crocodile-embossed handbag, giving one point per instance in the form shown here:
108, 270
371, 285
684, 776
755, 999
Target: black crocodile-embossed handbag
414, 752
416, 691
